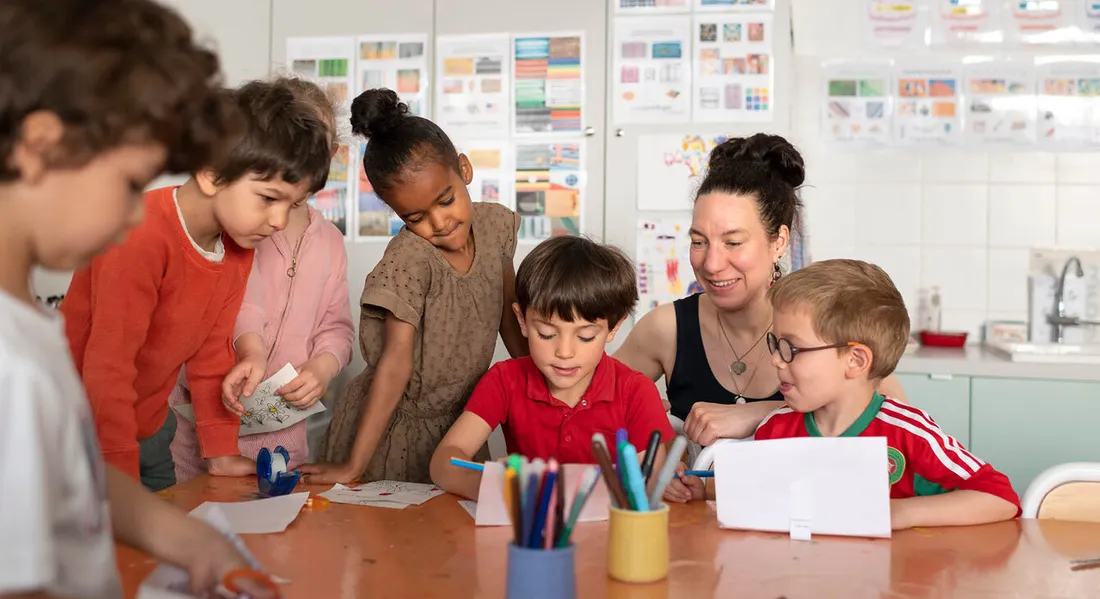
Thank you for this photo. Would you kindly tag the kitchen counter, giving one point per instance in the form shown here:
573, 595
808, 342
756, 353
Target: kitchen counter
977, 361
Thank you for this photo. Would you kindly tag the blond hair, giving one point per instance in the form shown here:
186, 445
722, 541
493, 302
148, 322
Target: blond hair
312, 94
850, 300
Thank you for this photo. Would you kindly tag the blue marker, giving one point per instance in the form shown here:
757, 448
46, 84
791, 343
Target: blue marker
632, 478
699, 473
467, 464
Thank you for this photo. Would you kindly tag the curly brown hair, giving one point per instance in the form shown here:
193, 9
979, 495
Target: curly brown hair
114, 72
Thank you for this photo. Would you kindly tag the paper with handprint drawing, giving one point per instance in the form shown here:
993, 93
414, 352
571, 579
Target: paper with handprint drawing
264, 411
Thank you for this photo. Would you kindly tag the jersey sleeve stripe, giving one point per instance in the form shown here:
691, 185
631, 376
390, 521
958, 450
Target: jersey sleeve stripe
933, 444
922, 419
775, 412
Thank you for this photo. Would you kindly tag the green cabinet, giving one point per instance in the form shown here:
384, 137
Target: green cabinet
945, 398
1024, 426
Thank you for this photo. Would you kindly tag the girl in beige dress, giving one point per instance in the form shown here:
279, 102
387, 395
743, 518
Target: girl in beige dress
431, 309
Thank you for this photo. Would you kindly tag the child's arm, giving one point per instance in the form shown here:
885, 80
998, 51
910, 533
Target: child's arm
391, 377
332, 339
466, 436
957, 508
215, 426
143, 521
249, 345
510, 332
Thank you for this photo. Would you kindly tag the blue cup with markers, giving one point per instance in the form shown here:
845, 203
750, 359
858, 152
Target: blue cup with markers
539, 573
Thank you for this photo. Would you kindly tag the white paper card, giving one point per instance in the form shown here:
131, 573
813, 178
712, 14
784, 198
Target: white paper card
469, 506
845, 480
383, 493
264, 410
262, 516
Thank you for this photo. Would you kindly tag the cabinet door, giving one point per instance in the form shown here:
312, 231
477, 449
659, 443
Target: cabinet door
1023, 427
947, 401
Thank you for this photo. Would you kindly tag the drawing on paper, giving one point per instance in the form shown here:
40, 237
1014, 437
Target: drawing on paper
663, 258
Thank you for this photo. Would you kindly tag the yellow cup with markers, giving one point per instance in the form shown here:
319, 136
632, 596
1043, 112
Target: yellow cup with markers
637, 545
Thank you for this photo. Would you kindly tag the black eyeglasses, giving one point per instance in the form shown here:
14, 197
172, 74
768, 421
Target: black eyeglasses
787, 352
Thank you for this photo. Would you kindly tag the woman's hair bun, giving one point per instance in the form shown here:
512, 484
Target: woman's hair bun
376, 112
771, 151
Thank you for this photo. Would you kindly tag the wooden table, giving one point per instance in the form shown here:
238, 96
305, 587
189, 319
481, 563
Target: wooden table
435, 550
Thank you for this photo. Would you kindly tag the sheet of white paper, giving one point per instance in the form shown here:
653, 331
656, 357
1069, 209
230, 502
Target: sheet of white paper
264, 411
262, 516
491, 510
470, 507
375, 494
845, 477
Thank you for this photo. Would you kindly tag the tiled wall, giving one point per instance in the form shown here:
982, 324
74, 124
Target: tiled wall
961, 220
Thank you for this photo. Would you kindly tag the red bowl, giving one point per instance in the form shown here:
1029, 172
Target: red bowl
943, 338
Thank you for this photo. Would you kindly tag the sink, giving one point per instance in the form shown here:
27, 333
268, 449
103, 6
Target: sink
1050, 353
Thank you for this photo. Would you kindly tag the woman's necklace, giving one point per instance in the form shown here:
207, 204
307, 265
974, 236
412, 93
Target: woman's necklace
738, 366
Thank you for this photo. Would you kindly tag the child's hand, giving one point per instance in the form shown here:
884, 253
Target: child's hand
231, 465
684, 488
209, 556
329, 474
311, 383
242, 380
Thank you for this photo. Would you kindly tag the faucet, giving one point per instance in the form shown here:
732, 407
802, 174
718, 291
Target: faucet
1059, 319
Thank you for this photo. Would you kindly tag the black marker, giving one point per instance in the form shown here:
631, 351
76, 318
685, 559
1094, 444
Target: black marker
650, 454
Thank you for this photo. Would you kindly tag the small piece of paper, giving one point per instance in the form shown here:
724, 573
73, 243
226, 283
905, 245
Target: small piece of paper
264, 410
383, 493
491, 510
470, 507
832, 486
262, 516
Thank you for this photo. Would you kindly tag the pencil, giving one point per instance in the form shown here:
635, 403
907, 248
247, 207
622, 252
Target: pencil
614, 485
584, 490
511, 490
535, 541
467, 464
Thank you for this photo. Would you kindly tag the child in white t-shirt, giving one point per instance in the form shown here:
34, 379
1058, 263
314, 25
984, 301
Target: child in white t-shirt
86, 128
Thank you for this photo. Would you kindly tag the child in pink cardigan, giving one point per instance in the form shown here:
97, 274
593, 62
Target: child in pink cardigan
296, 309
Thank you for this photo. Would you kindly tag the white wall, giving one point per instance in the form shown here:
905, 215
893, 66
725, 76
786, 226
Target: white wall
960, 220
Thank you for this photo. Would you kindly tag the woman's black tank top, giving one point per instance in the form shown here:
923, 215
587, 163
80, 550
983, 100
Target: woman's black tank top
692, 379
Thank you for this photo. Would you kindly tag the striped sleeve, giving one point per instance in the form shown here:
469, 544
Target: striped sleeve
940, 460
770, 427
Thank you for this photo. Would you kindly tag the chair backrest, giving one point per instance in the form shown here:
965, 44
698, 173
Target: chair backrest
705, 459
1065, 492
693, 449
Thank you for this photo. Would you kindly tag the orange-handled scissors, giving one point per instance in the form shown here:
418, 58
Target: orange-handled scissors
244, 583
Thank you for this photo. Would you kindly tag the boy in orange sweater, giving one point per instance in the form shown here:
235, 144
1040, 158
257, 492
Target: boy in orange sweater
168, 297
98, 97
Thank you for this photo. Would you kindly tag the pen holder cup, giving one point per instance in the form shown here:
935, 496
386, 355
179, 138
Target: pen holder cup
637, 545
542, 573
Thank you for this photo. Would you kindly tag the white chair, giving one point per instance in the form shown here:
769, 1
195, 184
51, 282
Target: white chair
705, 459
1065, 492
678, 428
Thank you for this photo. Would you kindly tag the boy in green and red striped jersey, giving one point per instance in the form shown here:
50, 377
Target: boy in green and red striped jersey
840, 327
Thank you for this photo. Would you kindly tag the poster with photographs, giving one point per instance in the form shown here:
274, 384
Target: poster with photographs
374, 218
966, 22
734, 70
398, 62
652, 69
928, 104
1000, 104
327, 61
894, 23
1040, 22
664, 262
548, 84
633, 7
473, 80
1069, 104
733, 5
858, 106
549, 187
333, 201
493, 173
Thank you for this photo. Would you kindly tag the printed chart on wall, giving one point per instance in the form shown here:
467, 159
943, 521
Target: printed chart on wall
928, 110
733, 5
664, 263
652, 72
895, 23
670, 169
398, 62
1088, 20
493, 173
374, 218
472, 85
1045, 22
332, 201
548, 75
549, 188
966, 22
1069, 105
651, 6
857, 103
1000, 104
734, 79
327, 61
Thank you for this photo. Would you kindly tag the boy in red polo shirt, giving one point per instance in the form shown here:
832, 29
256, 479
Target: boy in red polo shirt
572, 294
839, 328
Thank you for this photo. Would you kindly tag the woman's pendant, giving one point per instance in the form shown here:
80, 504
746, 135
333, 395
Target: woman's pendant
738, 368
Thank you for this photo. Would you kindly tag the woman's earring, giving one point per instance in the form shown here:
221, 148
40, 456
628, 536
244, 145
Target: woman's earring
776, 273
